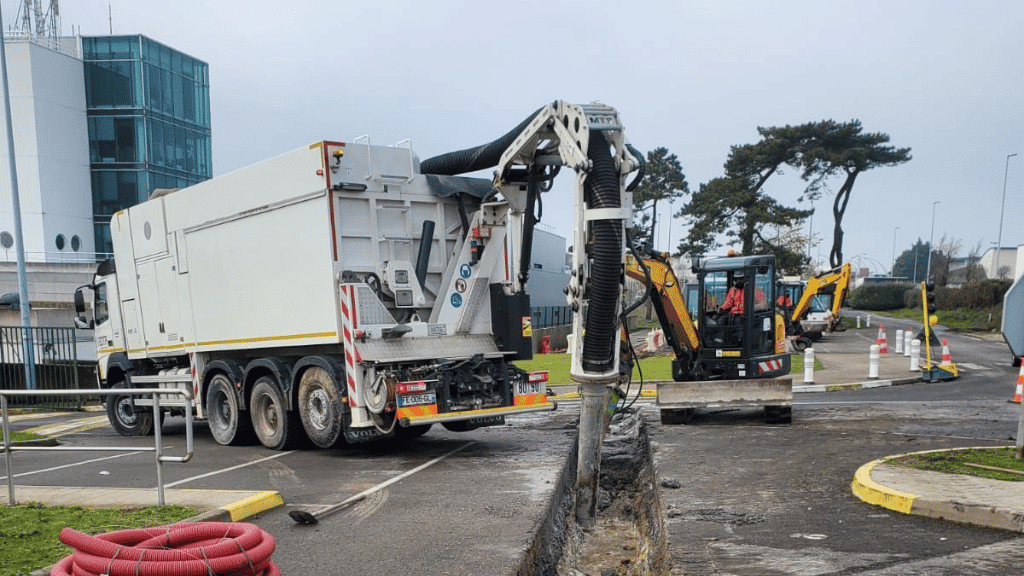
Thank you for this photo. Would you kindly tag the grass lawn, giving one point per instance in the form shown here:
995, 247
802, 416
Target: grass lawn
961, 320
21, 436
654, 368
557, 365
959, 462
28, 533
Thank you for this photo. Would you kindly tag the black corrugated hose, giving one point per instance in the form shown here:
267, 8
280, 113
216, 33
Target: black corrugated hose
601, 190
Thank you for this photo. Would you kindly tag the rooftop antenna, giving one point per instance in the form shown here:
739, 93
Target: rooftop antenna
34, 24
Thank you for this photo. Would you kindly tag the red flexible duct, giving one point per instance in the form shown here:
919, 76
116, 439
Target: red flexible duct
187, 549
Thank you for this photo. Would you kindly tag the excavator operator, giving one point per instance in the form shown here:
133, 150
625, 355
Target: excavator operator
734, 298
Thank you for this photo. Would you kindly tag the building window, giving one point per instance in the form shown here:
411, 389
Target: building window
6, 240
60, 241
76, 243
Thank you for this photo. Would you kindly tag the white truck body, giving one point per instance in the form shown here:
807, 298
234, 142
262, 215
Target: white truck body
338, 287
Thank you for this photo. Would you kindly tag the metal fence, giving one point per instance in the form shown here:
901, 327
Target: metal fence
158, 445
56, 366
548, 316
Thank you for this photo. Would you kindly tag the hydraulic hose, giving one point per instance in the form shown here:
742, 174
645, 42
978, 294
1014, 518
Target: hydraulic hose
187, 549
601, 190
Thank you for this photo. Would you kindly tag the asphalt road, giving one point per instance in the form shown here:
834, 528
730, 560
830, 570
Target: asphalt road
754, 499
776, 500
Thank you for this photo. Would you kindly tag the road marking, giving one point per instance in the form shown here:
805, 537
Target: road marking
229, 469
970, 366
71, 465
400, 477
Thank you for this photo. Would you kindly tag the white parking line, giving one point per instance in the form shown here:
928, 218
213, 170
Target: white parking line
71, 465
401, 476
223, 470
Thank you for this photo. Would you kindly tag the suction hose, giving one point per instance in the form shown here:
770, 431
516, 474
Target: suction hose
473, 159
187, 549
601, 190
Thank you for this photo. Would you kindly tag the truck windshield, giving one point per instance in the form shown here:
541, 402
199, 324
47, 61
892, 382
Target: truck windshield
100, 304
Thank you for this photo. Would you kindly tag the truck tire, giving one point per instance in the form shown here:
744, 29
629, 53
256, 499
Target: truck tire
126, 418
228, 423
275, 426
320, 407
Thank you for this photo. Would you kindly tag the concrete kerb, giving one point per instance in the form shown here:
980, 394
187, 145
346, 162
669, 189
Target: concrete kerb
954, 509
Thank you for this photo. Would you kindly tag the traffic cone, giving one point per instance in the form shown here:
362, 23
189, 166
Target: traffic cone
1020, 386
947, 360
883, 346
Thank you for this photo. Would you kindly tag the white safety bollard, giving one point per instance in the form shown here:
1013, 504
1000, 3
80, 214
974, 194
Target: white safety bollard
809, 366
858, 321
907, 336
915, 355
899, 342
869, 320
873, 362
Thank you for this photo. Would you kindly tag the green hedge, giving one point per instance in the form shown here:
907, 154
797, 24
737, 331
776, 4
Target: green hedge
878, 297
985, 294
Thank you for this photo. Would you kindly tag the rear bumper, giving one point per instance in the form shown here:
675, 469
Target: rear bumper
473, 414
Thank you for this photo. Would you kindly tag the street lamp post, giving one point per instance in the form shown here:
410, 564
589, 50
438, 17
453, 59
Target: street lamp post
928, 269
892, 271
1002, 207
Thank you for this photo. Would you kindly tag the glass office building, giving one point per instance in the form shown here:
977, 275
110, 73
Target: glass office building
148, 109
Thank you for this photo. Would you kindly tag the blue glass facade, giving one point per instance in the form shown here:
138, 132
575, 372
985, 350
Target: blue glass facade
148, 110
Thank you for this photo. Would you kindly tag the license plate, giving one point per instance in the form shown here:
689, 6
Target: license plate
416, 399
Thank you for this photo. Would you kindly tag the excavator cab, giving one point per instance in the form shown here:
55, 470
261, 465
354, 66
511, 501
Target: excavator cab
737, 328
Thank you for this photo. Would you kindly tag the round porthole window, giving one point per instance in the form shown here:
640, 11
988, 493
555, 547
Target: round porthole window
76, 243
147, 230
6, 240
60, 241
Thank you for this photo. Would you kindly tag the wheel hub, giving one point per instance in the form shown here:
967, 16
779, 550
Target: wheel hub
318, 414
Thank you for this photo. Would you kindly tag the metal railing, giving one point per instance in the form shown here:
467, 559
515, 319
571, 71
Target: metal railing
548, 316
55, 358
158, 447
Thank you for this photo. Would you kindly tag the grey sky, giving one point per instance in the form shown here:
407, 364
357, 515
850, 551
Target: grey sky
944, 78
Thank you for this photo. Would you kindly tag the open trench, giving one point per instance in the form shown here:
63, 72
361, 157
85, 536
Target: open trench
629, 539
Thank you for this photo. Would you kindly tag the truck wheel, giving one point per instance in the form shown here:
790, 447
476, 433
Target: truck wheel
320, 407
228, 424
778, 414
275, 426
126, 418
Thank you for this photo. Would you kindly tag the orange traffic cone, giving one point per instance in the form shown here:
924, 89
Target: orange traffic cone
883, 346
947, 360
1020, 386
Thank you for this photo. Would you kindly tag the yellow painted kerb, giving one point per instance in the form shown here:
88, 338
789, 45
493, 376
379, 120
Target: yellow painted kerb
873, 493
253, 505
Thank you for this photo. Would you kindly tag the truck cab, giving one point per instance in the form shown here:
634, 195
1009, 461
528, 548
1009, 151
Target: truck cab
106, 316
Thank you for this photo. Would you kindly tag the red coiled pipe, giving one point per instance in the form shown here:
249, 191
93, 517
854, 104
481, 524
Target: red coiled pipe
187, 549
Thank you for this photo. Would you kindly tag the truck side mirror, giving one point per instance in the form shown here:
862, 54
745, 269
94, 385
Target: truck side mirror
80, 321
79, 302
